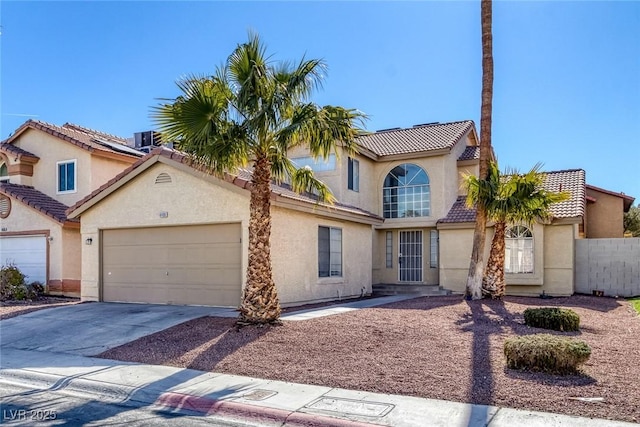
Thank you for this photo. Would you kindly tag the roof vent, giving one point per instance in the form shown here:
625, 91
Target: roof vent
163, 178
387, 130
5, 206
426, 124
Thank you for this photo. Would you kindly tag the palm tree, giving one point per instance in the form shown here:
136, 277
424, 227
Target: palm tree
510, 198
474, 279
252, 112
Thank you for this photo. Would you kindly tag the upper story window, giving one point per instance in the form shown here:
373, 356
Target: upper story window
406, 192
518, 250
353, 170
67, 178
4, 172
317, 165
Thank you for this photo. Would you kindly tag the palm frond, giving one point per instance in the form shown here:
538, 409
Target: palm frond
303, 180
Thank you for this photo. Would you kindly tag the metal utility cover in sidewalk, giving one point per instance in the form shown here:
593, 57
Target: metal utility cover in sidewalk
351, 407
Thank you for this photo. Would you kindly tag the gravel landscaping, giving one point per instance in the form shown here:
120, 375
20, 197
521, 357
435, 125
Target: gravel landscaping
441, 348
10, 309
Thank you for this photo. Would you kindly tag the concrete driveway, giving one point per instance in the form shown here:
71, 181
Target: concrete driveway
89, 329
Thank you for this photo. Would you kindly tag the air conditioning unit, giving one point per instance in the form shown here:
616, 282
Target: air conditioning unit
146, 139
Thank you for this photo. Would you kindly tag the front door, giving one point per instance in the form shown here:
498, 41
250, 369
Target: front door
410, 256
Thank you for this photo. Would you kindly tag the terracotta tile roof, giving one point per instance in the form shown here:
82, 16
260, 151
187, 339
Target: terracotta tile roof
470, 153
459, 213
242, 179
572, 181
88, 139
417, 139
16, 151
37, 200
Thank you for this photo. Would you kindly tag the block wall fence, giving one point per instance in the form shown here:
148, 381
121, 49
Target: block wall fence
608, 265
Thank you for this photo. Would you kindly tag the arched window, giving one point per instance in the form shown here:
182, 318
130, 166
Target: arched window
518, 250
406, 192
4, 172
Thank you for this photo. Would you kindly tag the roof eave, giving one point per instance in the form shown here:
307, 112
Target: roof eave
324, 210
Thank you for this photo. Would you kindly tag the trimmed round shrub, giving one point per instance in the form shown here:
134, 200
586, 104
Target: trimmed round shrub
557, 319
547, 353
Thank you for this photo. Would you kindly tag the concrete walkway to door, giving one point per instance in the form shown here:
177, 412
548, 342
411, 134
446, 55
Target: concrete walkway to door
91, 328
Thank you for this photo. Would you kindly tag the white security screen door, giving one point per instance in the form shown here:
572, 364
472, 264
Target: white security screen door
410, 256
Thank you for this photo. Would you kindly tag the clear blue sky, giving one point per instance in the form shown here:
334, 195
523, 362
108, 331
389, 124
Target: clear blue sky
567, 74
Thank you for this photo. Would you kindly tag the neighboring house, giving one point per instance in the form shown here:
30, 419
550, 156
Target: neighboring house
44, 168
164, 231
605, 212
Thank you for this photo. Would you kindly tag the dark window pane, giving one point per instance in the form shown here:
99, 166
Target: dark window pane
323, 251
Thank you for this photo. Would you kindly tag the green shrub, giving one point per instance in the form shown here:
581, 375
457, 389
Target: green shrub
12, 284
547, 353
557, 319
36, 288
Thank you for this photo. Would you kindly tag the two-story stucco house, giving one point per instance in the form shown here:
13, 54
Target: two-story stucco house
44, 169
163, 231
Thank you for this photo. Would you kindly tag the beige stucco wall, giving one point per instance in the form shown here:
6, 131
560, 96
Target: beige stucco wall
52, 150
443, 175
91, 171
191, 200
72, 250
605, 216
553, 261
466, 170
384, 275
103, 169
294, 252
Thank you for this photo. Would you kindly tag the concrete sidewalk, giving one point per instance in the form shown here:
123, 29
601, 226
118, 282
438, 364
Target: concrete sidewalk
339, 308
249, 401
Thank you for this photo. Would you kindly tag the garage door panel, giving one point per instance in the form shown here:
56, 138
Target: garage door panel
173, 265
28, 253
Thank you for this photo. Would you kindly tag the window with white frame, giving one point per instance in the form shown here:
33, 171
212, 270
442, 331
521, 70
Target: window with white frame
353, 172
433, 253
317, 165
406, 192
518, 250
4, 172
389, 249
67, 176
329, 252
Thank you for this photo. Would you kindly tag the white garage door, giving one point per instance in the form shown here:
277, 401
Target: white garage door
28, 253
199, 265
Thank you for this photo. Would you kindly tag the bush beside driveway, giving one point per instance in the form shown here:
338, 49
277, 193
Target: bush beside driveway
441, 348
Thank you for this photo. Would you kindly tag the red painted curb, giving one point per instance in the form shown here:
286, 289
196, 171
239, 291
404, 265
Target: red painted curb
255, 413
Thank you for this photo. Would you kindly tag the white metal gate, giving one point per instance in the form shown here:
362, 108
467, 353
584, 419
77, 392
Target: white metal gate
410, 256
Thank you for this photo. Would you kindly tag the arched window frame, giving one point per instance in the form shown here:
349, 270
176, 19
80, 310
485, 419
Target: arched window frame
4, 171
519, 250
410, 198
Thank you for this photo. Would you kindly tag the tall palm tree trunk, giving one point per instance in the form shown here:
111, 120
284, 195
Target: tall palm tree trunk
474, 279
260, 303
493, 283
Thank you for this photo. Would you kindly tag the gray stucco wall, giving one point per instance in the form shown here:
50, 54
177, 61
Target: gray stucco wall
609, 265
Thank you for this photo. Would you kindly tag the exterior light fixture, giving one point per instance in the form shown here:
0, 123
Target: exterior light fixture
89, 241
